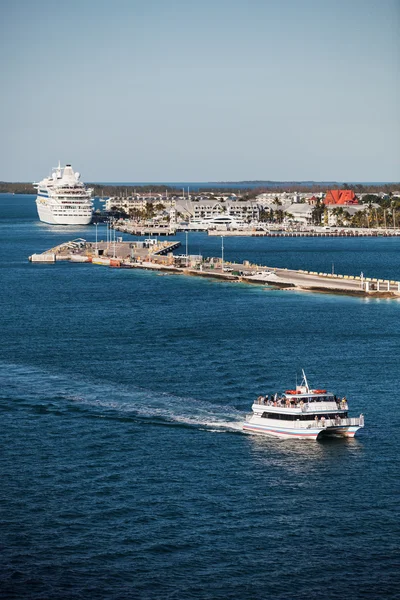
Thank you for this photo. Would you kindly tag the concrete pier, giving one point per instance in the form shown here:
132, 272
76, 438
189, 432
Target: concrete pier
157, 255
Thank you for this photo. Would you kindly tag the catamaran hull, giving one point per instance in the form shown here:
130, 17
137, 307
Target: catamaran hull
306, 434
348, 431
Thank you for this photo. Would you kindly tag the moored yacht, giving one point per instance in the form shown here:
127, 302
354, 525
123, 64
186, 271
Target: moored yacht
302, 413
222, 222
62, 199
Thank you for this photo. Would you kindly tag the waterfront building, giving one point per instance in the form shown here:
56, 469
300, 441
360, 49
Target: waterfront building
135, 202
300, 213
340, 197
341, 214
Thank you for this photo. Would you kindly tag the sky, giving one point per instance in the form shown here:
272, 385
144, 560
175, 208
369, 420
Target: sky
210, 90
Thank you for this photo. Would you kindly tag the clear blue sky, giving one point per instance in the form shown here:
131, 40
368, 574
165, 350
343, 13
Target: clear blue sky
206, 90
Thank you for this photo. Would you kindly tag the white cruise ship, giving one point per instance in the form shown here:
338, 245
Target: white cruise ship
62, 199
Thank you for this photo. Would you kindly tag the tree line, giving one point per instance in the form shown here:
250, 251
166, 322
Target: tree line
245, 194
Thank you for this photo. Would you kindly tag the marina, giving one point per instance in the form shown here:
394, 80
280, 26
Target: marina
142, 229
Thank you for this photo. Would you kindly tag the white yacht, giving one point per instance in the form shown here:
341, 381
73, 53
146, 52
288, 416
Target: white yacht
62, 199
302, 413
221, 222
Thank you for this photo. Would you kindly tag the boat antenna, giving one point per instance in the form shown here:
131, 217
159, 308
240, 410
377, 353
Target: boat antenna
305, 380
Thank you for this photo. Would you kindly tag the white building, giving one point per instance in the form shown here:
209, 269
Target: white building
135, 202
300, 213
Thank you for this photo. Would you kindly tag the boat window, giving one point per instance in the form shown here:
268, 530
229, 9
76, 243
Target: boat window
300, 417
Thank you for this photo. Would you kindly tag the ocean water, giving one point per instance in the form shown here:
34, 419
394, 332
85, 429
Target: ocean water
124, 470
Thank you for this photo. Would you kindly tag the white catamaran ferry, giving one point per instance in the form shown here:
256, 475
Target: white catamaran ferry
62, 199
302, 413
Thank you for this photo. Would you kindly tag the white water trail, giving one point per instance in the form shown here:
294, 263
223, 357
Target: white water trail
39, 386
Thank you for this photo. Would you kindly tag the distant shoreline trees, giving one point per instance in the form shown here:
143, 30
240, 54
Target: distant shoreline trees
244, 193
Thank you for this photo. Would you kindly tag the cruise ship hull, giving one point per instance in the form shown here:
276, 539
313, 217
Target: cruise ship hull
46, 215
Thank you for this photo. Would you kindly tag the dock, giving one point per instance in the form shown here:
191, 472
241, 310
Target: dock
262, 230
80, 250
143, 230
343, 233
158, 255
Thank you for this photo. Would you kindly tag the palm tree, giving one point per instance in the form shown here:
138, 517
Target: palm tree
277, 202
338, 212
317, 212
393, 205
347, 217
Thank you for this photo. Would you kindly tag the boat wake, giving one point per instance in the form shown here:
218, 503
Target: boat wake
26, 386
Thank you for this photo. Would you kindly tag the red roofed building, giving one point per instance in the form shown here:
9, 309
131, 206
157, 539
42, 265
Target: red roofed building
340, 197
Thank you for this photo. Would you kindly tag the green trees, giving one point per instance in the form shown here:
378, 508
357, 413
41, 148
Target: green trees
149, 211
136, 214
118, 212
338, 212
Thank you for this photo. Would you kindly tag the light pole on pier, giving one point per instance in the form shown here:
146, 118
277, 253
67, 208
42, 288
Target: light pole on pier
97, 250
222, 253
187, 255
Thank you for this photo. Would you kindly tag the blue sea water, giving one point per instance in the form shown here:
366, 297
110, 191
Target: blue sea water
124, 470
